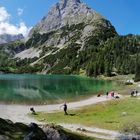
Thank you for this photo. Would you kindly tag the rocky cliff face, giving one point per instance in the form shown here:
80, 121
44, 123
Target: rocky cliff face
4, 38
66, 12
70, 21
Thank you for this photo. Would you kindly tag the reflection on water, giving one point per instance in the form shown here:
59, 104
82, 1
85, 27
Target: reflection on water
27, 88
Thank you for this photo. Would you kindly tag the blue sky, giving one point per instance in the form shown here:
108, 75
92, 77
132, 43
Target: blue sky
123, 14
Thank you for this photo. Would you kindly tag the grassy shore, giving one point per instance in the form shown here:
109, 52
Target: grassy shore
110, 115
121, 79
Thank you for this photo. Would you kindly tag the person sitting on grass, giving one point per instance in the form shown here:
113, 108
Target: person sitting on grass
99, 94
33, 111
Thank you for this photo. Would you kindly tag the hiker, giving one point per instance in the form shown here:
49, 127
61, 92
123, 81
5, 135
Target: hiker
112, 95
65, 108
107, 94
132, 93
136, 93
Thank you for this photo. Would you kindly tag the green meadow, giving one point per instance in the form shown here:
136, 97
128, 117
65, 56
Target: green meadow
111, 115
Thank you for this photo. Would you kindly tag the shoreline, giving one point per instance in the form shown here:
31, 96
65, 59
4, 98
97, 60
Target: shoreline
19, 113
68, 100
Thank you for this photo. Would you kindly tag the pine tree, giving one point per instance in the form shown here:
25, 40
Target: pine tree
137, 73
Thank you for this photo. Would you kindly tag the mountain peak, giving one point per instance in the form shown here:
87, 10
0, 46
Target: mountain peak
69, 1
65, 12
64, 3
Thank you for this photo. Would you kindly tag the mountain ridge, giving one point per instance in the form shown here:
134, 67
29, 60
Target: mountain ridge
63, 13
5, 38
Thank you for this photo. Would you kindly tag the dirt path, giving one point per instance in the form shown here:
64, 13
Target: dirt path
92, 131
18, 113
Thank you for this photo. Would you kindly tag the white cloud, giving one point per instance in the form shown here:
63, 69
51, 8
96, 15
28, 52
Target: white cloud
20, 11
3, 14
8, 28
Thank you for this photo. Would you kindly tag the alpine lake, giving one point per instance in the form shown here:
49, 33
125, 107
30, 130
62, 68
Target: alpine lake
44, 89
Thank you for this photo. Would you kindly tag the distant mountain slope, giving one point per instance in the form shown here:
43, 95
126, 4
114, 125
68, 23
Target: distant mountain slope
4, 38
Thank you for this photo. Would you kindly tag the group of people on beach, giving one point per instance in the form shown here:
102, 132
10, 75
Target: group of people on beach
109, 94
112, 94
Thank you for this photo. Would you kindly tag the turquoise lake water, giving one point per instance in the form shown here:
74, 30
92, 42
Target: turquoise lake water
43, 89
